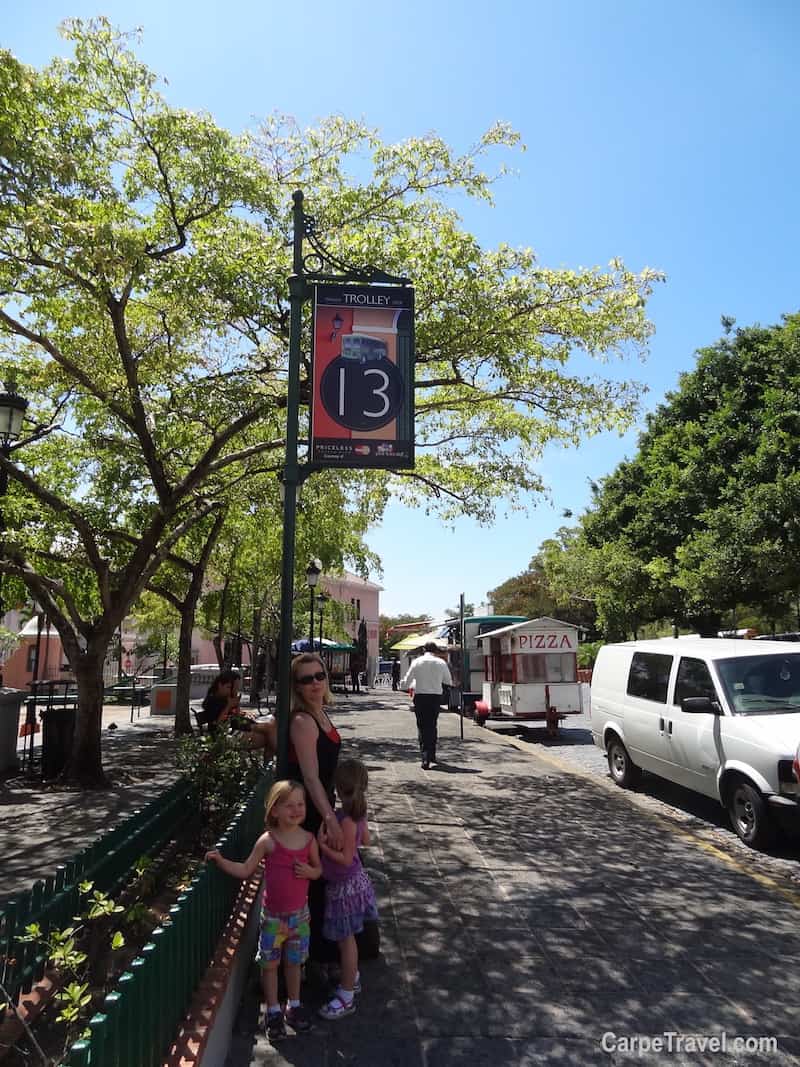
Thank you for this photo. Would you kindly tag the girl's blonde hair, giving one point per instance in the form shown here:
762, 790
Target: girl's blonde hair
307, 663
351, 781
279, 794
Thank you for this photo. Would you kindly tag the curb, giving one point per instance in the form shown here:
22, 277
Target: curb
205, 1033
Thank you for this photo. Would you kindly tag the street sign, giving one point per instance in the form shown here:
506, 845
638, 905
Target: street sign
362, 410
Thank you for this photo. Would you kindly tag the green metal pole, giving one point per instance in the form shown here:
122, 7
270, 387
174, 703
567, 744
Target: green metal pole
291, 472
461, 642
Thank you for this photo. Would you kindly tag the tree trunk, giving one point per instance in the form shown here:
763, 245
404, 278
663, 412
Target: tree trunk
706, 625
85, 764
219, 637
183, 723
255, 653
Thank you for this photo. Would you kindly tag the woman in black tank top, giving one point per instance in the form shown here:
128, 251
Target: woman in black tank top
313, 756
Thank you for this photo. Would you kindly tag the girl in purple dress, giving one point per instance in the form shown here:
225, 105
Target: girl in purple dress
349, 896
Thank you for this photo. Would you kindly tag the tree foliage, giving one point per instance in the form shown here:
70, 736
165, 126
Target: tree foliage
702, 523
144, 256
553, 585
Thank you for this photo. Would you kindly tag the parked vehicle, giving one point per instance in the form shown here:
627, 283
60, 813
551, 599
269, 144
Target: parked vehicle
720, 717
531, 673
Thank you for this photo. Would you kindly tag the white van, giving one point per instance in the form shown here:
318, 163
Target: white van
721, 717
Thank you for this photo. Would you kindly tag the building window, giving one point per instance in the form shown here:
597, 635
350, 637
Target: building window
30, 665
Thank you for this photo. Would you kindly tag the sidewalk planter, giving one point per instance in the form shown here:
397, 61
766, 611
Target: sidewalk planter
107, 863
10, 703
140, 1019
204, 1036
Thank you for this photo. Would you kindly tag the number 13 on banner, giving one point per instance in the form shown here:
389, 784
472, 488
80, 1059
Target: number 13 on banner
361, 396
362, 412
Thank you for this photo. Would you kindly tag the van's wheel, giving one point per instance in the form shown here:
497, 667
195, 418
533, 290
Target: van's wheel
621, 767
750, 816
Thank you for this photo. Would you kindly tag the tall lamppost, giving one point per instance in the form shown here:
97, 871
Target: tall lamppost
307, 271
313, 571
12, 412
322, 600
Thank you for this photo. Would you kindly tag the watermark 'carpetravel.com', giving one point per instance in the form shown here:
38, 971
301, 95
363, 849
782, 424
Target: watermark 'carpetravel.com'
672, 1042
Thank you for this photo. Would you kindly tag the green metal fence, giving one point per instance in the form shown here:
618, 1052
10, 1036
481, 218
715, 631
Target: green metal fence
140, 1019
109, 861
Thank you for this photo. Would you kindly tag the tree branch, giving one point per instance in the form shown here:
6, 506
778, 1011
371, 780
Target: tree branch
61, 507
81, 376
160, 483
45, 591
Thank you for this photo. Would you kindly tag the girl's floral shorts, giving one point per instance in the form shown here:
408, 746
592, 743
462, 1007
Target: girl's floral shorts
289, 934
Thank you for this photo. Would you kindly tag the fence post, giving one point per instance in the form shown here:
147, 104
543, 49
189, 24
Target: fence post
110, 1037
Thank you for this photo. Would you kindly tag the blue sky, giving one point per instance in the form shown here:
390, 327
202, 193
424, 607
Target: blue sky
664, 134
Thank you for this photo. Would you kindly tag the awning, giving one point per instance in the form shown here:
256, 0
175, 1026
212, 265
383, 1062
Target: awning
408, 644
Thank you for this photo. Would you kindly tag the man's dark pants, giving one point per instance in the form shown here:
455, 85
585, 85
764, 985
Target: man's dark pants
426, 709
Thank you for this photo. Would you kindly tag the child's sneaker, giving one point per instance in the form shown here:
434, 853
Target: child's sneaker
336, 1008
334, 986
274, 1025
298, 1019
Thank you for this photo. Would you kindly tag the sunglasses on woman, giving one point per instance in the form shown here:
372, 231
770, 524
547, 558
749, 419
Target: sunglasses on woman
307, 679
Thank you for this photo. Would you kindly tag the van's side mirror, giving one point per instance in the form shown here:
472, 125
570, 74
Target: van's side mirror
701, 706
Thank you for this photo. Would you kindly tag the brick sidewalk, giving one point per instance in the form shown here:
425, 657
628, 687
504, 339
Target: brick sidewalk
526, 911
42, 826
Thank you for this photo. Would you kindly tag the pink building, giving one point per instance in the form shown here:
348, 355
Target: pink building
18, 668
363, 598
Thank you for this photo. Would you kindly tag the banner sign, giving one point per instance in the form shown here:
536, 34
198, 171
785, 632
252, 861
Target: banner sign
362, 403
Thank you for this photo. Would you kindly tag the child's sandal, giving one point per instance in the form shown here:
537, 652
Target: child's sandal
336, 1008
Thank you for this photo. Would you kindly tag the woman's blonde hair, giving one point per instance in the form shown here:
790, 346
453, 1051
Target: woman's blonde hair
351, 781
304, 660
279, 794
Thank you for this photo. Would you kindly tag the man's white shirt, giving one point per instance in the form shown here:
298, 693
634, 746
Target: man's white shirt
427, 674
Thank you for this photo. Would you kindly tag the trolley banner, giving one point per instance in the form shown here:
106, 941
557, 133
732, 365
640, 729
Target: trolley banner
362, 403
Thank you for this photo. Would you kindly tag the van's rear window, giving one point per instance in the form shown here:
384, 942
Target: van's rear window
649, 676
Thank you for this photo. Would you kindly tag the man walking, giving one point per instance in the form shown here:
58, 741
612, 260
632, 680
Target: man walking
355, 672
395, 674
426, 676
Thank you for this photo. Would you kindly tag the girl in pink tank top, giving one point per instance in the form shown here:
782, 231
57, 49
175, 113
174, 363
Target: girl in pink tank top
290, 856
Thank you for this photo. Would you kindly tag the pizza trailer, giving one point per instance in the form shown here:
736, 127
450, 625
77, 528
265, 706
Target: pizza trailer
530, 673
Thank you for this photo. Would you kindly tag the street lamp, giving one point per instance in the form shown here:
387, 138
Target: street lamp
313, 571
12, 412
322, 600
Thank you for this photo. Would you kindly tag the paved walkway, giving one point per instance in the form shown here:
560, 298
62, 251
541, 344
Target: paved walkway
527, 908
43, 825
527, 911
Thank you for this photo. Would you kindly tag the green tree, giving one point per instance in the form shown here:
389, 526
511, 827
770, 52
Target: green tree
157, 624
389, 636
144, 253
704, 519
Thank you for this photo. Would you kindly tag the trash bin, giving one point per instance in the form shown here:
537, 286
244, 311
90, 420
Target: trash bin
10, 703
58, 728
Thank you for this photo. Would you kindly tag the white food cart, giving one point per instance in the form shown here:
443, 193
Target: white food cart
531, 673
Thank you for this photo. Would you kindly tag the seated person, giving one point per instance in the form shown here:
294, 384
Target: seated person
222, 704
